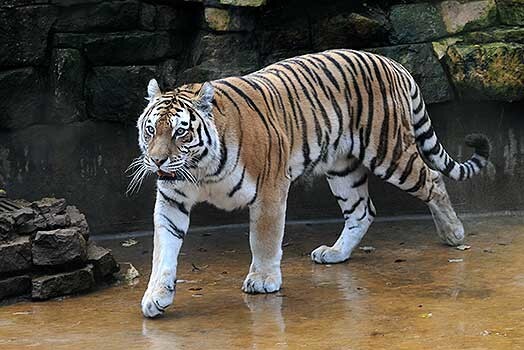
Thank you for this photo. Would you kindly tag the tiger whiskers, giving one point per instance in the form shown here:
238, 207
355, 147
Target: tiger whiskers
138, 170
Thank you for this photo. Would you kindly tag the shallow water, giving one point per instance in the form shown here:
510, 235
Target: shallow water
404, 295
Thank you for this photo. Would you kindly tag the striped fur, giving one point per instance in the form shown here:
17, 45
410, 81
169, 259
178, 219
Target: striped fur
241, 141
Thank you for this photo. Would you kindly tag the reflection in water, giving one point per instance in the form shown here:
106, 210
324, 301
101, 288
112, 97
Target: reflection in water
268, 326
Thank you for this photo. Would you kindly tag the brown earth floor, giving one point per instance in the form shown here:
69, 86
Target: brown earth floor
404, 295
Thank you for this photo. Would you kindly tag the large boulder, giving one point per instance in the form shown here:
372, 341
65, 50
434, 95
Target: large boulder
492, 71
51, 286
412, 23
421, 62
15, 286
59, 247
117, 93
24, 33
15, 255
67, 86
130, 47
21, 97
99, 16
461, 16
349, 30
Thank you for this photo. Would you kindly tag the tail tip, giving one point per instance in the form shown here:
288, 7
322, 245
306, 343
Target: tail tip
480, 143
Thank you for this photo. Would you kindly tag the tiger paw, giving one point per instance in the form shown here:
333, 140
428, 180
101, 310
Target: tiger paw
155, 301
262, 282
328, 255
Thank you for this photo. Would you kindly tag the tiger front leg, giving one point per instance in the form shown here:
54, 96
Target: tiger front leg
171, 223
267, 220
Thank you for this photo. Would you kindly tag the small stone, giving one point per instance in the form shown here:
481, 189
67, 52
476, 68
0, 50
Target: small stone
6, 227
59, 247
15, 255
57, 221
217, 19
24, 220
49, 205
103, 262
15, 286
77, 219
51, 286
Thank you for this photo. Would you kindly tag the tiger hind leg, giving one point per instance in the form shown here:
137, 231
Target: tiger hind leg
349, 183
412, 175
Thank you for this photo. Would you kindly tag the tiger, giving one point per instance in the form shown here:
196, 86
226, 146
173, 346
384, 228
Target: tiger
241, 142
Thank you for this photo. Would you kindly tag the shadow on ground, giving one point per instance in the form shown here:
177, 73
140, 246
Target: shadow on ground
406, 294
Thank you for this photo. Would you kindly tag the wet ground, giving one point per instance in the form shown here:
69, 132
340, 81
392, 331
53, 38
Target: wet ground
409, 293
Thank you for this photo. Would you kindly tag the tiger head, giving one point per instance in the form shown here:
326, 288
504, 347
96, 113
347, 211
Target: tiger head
175, 132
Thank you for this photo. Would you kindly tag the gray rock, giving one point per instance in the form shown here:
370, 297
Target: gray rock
51, 286
15, 255
103, 262
69, 40
58, 247
349, 30
15, 286
23, 38
49, 205
117, 93
54, 221
165, 17
78, 220
414, 23
21, 97
131, 47
100, 16
24, 220
216, 56
284, 33
67, 86
420, 61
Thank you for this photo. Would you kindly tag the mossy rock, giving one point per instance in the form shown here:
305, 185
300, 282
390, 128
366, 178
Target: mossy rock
493, 71
508, 35
511, 12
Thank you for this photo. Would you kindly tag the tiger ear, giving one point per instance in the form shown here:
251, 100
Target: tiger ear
203, 101
152, 89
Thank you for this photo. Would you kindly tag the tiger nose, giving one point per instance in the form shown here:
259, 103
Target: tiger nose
159, 161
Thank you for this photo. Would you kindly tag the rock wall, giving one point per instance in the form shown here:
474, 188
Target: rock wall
73, 75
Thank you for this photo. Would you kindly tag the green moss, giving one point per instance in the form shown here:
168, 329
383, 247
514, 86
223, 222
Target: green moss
493, 71
511, 12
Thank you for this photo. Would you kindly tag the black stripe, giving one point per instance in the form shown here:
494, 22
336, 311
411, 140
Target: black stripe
408, 169
420, 182
342, 199
238, 185
353, 208
181, 207
173, 229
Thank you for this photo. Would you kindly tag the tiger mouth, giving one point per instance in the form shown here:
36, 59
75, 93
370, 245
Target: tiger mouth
162, 175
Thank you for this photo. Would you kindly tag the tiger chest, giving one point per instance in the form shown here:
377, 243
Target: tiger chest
233, 192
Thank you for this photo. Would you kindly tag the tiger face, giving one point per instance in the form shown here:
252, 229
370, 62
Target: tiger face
174, 132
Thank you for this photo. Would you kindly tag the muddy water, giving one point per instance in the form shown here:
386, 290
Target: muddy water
404, 295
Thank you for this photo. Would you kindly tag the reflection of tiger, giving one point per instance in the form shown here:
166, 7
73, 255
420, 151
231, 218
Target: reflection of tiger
241, 141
